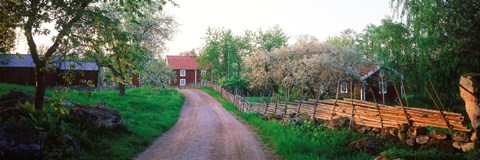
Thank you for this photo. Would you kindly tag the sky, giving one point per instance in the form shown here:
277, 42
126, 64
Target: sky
320, 18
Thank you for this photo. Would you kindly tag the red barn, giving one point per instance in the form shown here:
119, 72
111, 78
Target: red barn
19, 69
186, 70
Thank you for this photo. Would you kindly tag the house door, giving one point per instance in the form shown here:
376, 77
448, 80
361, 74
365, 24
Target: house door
182, 82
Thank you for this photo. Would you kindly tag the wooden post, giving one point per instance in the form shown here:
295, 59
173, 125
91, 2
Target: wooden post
441, 112
336, 99
300, 104
407, 116
404, 93
315, 106
277, 98
268, 103
378, 108
262, 100
470, 93
287, 95
353, 106
382, 89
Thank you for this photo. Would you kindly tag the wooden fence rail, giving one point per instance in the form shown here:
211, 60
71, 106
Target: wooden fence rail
364, 113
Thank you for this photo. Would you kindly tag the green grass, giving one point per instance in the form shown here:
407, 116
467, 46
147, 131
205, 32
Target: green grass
147, 112
299, 142
316, 142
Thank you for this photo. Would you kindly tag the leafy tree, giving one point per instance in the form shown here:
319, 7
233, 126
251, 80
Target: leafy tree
223, 53
156, 73
7, 30
438, 42
127, 42
271, 38
347, 38
67, 16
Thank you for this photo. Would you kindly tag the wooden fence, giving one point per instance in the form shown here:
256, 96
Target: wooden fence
362, 112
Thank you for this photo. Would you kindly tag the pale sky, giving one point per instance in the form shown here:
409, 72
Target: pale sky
320, 18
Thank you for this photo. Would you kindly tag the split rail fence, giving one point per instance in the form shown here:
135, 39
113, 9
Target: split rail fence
362, 112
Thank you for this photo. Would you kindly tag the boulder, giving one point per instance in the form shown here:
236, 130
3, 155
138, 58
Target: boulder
438, 135
9, 102
410, 142
417, 131
369, 144
361, 129
337, 123
403, 128
20, 142
385, 133
102, 104
460, 136
394, 131
269, 116
467, 146
279, 117
470, 93
440, 144
382, 157
18, 95
402, 136
422, 139
457, 145
463, 146
96, 117
376, 130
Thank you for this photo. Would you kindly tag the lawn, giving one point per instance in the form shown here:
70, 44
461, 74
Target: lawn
309, 141
147, 112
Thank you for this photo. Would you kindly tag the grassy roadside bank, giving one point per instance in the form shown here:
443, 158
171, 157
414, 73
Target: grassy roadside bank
317, 142
299, 142
147, 112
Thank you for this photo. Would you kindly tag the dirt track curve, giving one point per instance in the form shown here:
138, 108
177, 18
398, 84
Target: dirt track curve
205, 130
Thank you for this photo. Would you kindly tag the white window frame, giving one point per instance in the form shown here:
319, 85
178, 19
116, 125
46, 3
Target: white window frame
343, 88
384, 87
183, 73
183, 82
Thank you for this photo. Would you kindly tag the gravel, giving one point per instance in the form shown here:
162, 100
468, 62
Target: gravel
205, 130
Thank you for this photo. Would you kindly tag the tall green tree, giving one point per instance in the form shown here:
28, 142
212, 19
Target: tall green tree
67, 16
223, 53
130, 44
445, 35
438, 41
274, 37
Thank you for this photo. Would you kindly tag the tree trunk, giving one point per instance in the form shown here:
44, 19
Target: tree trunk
39, 84
121, 89
470, 93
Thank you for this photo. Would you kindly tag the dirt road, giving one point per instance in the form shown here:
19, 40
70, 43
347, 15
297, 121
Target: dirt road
205, 130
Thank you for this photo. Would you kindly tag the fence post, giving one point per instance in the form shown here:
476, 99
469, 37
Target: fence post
336, 99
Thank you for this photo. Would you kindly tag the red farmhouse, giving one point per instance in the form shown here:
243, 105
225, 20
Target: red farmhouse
186, 70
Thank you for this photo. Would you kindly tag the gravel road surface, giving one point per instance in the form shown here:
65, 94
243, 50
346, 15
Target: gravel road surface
205, 130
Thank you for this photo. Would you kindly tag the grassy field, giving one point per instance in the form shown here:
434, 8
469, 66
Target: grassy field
147, 112
316, 142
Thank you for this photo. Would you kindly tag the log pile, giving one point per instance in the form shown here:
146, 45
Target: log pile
364, 113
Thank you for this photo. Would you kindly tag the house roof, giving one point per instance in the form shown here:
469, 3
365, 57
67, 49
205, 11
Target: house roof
26, 61
78, 66
368, 70
182, 62
12, 60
